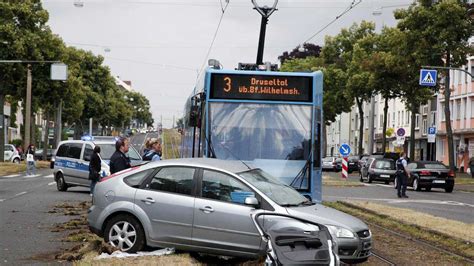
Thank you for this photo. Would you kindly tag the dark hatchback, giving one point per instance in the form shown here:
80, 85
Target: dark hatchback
352, 164
378, 169
429, 174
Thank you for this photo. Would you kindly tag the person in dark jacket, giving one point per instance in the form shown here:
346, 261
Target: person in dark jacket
95, 168
119, 161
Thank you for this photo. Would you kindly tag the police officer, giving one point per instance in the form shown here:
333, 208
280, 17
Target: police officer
119, 161
402, 176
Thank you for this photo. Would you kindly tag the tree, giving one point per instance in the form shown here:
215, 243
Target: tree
348, 51
20, 23
436, 34
300, 52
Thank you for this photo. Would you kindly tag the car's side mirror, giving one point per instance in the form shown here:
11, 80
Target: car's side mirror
251, 201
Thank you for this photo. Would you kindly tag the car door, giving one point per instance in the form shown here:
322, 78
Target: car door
84, 163
8, 153
73, 170
168, 200
221, 219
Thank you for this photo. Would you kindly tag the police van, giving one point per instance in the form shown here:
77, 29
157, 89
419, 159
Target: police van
71, 162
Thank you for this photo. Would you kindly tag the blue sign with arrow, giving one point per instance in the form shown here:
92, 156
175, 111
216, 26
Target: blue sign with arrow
345, 149
428, 77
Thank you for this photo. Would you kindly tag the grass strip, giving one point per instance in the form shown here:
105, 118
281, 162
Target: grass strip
441, 240
171, 142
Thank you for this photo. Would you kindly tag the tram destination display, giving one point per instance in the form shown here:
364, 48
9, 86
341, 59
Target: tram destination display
261, 87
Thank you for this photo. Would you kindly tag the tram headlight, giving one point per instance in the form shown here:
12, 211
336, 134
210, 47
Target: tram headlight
340, 232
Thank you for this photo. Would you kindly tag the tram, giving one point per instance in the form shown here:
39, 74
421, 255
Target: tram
268, 120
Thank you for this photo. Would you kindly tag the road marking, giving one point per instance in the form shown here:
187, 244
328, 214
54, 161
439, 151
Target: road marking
52, 183
14, 175
49, 176
31, 176
21, 193
2, 200
440, 202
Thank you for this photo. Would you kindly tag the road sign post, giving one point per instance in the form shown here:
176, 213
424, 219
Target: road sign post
344, 150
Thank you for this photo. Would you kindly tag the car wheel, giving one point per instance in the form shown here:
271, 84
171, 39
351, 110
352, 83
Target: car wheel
449, 189
428, 188
16, 160
416, 185
395, 183
61, 184
125, 233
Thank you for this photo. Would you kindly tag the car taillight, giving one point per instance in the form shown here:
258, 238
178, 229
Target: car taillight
424, 172
451, 174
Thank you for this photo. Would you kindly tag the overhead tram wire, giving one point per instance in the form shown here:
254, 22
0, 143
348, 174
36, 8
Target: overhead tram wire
152, 64
223, 9
351, 6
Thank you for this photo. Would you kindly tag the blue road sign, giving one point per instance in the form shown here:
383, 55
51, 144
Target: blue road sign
428, 77
401, 132
345, 149
431, 131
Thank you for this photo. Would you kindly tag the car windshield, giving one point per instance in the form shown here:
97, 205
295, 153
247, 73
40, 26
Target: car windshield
385, 164
280, 193
107, 149
433, 166
327, 159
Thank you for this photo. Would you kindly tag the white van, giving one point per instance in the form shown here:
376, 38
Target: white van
71, 162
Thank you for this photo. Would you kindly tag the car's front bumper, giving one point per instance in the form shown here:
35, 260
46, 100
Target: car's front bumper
354, 250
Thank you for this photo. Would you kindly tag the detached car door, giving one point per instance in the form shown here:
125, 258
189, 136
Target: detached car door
221, 219
168, 200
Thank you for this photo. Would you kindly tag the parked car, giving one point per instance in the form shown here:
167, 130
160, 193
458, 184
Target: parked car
71, 162
428, 175
330, 164
352, 164
11, 154
49, 154
377, 169
188, 203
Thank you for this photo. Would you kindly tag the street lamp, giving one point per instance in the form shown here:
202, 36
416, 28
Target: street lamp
265, 11
78, 3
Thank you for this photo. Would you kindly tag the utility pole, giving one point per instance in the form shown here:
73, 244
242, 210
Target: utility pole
28, 108
59, 123
265, 11
2, 126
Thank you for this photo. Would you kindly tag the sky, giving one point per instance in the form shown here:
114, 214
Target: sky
161, 46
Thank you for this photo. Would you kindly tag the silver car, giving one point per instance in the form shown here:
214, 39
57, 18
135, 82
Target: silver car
205, 205
11, 154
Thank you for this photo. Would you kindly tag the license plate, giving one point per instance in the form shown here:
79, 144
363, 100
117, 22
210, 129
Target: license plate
439, 181
384, 175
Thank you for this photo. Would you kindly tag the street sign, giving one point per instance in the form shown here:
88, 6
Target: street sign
431, 131
345, 149
428, 77
400, 140
401, 132
58, 71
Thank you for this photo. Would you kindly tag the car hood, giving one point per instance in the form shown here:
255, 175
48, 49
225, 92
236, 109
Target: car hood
319, 213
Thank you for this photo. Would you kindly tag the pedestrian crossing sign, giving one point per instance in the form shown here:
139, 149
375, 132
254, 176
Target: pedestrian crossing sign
428, 77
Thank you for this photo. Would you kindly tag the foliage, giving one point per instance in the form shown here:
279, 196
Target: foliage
300, 52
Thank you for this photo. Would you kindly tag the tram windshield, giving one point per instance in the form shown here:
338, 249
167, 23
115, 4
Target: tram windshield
273, 137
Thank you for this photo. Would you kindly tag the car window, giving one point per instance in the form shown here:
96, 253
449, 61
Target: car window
384, 164
75, 150
88, 152
327, 159
223, 187
174, 179
434, 166
8, 148
62, 150
133, 154
136, 179
411, 166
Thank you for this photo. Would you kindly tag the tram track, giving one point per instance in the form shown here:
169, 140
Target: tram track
418, 241
382, 258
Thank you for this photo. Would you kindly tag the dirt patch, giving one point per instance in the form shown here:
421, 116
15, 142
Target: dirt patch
340, 182
15, 168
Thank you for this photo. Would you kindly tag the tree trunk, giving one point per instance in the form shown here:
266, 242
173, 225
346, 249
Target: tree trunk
384, 130
361, 125
412, 131
447, 112
33, 130
2, 127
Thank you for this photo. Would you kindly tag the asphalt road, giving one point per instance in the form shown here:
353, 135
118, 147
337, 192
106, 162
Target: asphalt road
458, 205
25, 222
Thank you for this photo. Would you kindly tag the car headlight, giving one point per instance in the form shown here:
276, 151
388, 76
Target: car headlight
340, 232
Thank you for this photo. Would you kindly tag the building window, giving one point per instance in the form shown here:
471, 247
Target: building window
458, 110
433, 117
472, 108
441, 147
398, 121
381, 121
408, 118
424, 128
403, 118
417, 121
443, 114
